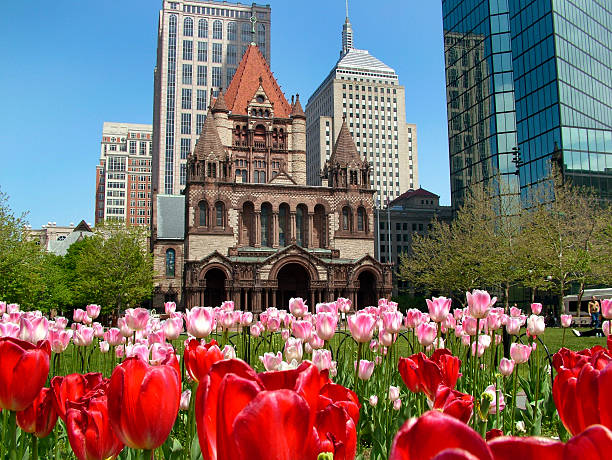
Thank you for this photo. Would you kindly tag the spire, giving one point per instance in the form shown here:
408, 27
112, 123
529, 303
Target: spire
345, 151
347, 34
209, 141
220, 105
297, 111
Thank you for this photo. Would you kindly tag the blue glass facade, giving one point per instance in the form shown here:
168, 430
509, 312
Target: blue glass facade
552, 66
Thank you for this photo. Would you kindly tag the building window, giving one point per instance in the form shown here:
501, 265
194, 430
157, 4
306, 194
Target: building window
232, 55
185, 147
132, 147
186, 98
188, 27
200, 117
187, 74
201, 99
218, 30
185, 123
203, 28
245, 32
183, 174
346, 218
231, 31
217, 53
211, 170
360, 220
170, 262
230, 75
187, 50
216, 77
202, 51
219, 213
201, 76
203, 213
143, 148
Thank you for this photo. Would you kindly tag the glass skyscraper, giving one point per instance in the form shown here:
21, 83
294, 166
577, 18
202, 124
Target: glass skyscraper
533, 77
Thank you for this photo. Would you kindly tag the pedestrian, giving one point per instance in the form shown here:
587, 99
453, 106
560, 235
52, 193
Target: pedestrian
594, 312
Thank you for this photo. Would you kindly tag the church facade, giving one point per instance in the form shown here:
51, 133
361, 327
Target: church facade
252, 231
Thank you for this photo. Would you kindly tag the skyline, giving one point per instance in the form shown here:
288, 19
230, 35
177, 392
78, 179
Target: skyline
57, 96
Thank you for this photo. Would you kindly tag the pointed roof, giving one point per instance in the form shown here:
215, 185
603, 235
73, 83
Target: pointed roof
246, 82
82, 227
344, 151
220, 105
296, 110
209, 141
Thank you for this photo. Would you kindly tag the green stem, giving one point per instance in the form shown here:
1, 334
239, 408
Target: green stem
513, 427
12, 435
563, 339
34, 452
359, 350
148, 454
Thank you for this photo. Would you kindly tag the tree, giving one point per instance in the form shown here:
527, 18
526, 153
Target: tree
20, 259
113, 268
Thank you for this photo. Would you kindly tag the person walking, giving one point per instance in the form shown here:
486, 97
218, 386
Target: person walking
594, 312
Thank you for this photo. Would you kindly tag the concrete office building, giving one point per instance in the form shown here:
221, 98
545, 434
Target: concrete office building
528, 83
366, 92
123, 175
199, 46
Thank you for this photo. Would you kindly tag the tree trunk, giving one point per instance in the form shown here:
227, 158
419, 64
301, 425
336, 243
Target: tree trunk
580, 294
533, 294
560, 302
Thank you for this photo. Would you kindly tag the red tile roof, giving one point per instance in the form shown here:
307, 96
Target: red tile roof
413, 193
246, 82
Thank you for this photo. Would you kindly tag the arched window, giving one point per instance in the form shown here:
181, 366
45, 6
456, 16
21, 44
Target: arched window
245, 175
265, 217
283, 224
219, 214
361, 220
203, 212
301, 225
231, 31
170, 262
217, 30
188, 27
346, 218
203, 28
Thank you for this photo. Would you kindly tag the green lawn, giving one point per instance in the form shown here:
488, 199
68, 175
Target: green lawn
553, 338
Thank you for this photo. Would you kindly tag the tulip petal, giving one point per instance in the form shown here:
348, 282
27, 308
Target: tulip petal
433, 433
274, 426
605, 398
526, 448
337, 432
594, 443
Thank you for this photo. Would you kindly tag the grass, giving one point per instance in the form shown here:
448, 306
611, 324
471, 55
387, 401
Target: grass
553, 338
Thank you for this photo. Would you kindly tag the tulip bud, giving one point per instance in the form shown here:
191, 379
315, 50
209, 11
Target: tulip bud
535, 325
104, 347
365, 369
536, 308
520, 353
606, 308
506, 367
229, 352
394, 393
606, 328
397, 404
566, 320
185, 400
373, 400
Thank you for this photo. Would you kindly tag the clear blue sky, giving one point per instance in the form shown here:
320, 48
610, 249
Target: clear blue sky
68, 66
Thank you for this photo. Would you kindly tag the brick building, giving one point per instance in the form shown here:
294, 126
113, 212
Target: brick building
248, 227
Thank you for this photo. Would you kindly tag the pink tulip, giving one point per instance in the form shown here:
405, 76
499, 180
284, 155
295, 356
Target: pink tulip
479, 303
9, 330
316, 342
459, 330
185, 399
297, 307
326, 324
227, 305
469, 325
506, 367
33, 329
344, 305
229, 352
120, 351
83, 336
498, 339
98, 330
413, 318
386, 338
271, 361
606, 308
394, 393
293, 350
365, 369
397, 404
246, 318
113, 336
465, 340
59, 339
392, 321
79, 315
226, 319
426, 333
136, 318
439, 308
495, 395
302, 330
373, 400
2, 307
200, 321
566, 320
157, 337
520, 353
481, 349
123, 327
104, 347
173, 327
256, 329
535, 325
536, 308
513, 325
60, 322
361, 326
494, 321
322, 359
326, 307
93, 311
137, 350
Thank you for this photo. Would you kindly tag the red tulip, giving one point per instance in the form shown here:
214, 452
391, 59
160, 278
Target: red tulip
594, 443
73, 387
421, 374
525, 448
454, 403
143, 401
40, 417
286, 415
89, 430
581, 391
23, 370
198, 358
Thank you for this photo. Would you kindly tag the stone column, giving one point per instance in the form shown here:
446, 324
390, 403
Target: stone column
291, 239
311, 299
256, 300
257, 229
275, 229
310, 230
240, 228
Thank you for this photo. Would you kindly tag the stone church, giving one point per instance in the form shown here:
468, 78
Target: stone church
248, 228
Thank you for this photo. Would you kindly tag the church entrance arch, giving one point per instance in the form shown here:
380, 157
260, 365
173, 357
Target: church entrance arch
214, 292
367, 294
293, 281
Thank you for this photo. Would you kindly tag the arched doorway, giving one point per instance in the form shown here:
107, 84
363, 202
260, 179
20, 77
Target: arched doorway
214, 292
293, 281
367, 294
